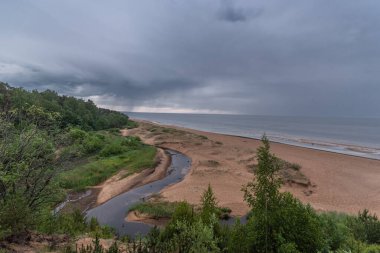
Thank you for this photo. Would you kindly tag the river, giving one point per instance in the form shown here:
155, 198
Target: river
114, 211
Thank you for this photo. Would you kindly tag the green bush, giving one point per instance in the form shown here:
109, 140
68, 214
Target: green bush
114, 131
92, 143
365, 227
156, 209
237, 240
77, 134
372, 249
335, 230
132, 141
114, 148
132, 124
73, 224
184, 212
15, 217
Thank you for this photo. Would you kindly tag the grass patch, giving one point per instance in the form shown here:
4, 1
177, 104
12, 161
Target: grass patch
115, 131
164, 209
118, 152
132, 124
209, 163
156, 210
288, 165
202, 137
289, 172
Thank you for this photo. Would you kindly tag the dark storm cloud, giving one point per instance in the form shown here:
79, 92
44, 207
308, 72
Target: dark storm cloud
258, 57
231, 13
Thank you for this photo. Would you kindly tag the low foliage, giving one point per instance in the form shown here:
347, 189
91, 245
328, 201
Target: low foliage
156, 209
100, 169
132, 124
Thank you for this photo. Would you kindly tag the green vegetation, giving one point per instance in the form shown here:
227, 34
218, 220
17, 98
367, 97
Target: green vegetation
132, 124
156, 210
114, 153
167, 132
66, 111
278, 223
49, 143
97, 171
203, 137
73, 224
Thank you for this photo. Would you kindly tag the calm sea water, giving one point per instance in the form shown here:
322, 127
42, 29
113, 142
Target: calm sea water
353, 136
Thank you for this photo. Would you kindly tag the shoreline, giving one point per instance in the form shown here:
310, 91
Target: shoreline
339, 182
350, 147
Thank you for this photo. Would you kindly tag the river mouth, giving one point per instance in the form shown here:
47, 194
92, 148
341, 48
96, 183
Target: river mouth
114, 211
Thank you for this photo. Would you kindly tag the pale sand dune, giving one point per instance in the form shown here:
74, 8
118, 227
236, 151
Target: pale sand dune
342, 183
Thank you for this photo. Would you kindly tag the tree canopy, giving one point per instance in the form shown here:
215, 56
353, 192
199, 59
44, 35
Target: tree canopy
64, 110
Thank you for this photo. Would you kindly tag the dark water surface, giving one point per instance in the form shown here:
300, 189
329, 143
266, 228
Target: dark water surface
352, 136
114, 211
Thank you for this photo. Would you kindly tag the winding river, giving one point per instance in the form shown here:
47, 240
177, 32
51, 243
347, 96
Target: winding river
113, 212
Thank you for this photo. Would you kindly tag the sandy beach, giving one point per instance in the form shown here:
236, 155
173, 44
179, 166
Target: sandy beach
337, 182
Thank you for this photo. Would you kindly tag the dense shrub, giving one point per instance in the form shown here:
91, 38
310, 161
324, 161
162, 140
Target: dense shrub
111, 149
93, 143
336, 233
77, 134
73, 223
16, 217
365, 227
372, 249
184, 212
237, 240
131, 142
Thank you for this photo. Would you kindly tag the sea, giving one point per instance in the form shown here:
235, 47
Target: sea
351, 136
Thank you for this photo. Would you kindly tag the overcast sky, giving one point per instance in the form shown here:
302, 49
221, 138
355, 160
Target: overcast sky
284, 57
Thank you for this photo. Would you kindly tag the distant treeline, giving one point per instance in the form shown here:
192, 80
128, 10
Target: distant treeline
67, 111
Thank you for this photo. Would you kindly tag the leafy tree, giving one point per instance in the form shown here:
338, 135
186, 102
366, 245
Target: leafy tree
336, 232
193, 238
365, 227
27, 161
27, 169
237, 238
184, 212
48, 107
279, 222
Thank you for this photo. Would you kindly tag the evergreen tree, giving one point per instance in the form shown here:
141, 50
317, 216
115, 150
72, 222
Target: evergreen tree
209, 205
279, 222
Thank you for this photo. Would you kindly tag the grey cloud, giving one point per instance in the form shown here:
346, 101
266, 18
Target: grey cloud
231, 13
255, 57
